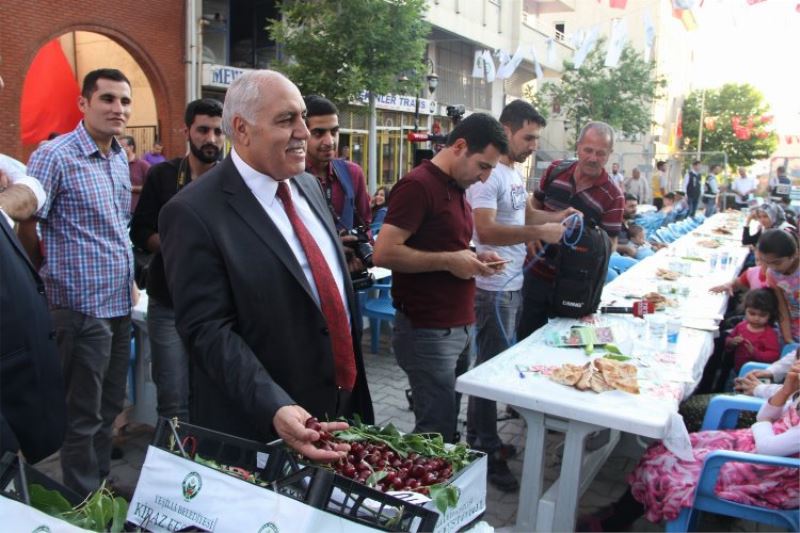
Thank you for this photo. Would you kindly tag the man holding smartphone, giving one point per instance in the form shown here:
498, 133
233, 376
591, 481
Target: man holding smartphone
499, 209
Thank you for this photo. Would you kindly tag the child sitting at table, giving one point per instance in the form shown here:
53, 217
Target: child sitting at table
781, 255
755, 338
754, 277
662, 484
637, 240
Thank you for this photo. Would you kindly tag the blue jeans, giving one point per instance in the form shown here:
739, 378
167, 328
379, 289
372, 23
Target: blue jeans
433, 358
482, 414
170, 362
94, 355
711, 207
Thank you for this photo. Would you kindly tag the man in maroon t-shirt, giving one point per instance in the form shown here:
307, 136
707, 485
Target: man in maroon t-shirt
585, 186
425, 242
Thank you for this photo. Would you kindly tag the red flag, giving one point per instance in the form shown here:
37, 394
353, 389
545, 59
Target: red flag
617, 4
49, 96
754, 2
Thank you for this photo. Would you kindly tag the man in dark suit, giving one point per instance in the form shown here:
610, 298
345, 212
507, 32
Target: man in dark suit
32, 410
262, 295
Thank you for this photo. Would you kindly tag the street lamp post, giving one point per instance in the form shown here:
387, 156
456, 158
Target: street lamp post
433, 83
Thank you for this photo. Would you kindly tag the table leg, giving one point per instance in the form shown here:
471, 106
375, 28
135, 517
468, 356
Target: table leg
570, 479
532, 482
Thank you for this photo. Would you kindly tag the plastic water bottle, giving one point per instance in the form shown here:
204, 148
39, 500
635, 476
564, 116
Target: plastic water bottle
673, 331
724, 260
712, 262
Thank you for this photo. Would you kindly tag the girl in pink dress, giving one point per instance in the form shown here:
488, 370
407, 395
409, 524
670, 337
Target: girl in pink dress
662, 484
755, 338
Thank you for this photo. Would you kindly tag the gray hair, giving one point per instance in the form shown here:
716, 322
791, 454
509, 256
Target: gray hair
601, 128
243, 97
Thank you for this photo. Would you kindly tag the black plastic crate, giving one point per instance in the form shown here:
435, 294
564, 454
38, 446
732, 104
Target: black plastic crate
323, 489
224, 449
16, 476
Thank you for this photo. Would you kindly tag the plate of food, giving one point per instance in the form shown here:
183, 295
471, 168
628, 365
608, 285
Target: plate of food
667, 274
708, 243
660, 302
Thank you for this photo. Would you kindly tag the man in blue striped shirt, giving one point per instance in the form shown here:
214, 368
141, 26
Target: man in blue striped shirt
88, 270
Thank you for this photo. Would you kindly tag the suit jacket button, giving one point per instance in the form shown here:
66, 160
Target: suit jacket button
324, 331
52, 335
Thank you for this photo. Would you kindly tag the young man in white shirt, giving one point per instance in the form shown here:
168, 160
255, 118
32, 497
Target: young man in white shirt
499, 208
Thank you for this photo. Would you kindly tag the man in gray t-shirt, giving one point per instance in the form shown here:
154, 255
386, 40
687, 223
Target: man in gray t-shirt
505, 222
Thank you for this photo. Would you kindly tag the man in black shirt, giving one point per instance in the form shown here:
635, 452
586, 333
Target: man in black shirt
203, 130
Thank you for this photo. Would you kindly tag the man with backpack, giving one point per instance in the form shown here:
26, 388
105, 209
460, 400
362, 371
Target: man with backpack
568, 280
342, 182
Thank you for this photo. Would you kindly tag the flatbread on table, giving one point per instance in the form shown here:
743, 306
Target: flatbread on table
619, 375
708, 243
659, 301
601, 375
567, 374
666, 274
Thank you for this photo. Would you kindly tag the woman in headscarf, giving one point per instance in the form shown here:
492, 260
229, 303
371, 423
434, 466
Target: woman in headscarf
769, 216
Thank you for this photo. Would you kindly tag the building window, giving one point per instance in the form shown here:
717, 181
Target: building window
560, 31
234, 32
215, 31
454, 60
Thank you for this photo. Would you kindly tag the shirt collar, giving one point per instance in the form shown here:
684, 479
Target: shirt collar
441, 174
263, 187
87, 144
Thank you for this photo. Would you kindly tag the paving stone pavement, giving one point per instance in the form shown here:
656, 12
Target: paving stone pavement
387, 385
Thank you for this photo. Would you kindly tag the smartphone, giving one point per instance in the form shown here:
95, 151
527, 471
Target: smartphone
497, 263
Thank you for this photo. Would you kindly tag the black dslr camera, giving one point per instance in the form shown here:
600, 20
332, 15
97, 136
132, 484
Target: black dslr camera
363, 250
456, 113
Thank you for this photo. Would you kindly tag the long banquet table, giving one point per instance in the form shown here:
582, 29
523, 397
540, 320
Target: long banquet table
667, 373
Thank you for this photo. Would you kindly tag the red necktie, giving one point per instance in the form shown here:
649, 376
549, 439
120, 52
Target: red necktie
329, 296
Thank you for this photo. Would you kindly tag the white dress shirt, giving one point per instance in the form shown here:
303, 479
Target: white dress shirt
264, 188
16, 176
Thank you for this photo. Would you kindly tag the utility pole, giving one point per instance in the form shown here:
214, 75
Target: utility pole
700, 129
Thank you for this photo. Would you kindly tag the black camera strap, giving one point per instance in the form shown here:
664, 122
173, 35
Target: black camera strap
327, 191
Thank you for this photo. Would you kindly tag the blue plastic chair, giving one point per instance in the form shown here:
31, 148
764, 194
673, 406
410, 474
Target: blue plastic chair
665, 235
753, 365
750, 366
705, 499
376, 305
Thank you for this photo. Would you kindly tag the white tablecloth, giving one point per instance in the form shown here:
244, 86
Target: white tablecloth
518, 377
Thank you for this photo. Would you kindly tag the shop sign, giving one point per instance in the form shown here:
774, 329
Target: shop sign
221, 76
399, 102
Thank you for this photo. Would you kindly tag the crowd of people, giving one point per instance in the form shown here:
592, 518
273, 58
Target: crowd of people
249, 267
